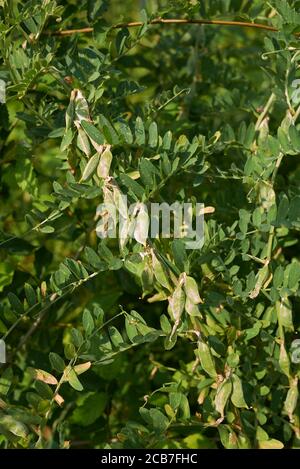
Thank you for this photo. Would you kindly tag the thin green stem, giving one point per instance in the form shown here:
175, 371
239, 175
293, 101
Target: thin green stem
36, 227
265, 111
71, 286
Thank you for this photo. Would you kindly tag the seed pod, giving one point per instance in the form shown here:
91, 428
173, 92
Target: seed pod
284, 313
206, 359
120, 201
83, 142
191, 308
176, 303
284, 361
237, 397
222, 396
104, 163
191, 290
142, 225
81, 107
291, 399
159, 272
260, 280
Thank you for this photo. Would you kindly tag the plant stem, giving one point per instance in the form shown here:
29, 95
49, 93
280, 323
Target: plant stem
265, 111
134, 24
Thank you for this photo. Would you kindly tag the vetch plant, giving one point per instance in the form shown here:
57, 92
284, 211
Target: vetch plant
133, 340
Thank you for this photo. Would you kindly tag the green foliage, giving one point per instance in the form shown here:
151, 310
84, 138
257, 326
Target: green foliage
138, 342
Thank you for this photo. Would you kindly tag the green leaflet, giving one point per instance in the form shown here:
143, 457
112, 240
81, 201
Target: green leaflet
15, 303
90, 410
70, 112
67, 139
92, 132
153, 134
30, 294
88, 322
139, 131
72, 379
147, 172
90, 167
57, 362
